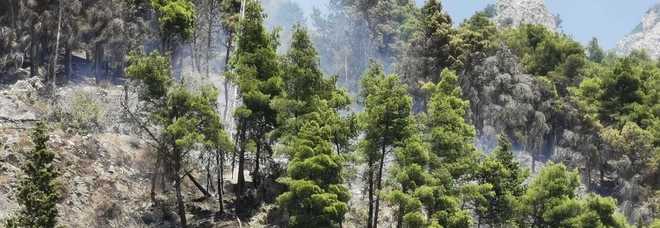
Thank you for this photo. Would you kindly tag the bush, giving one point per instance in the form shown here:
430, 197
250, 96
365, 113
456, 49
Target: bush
82, 112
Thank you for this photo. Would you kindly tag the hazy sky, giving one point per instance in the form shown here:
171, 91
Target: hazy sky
608, 20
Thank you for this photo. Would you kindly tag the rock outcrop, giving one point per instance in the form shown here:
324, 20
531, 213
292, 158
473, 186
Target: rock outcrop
519, 12
645, 37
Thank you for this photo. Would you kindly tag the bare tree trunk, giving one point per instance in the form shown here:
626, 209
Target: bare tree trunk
379, 185
198, 185
255, 174
67, 61
230, 38
209, 36
241, 165
209, 176
219, 163
181, 207
57, 47
154, 179
371, 194
34, 62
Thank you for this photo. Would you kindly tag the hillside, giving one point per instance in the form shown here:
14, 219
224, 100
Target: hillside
201, 113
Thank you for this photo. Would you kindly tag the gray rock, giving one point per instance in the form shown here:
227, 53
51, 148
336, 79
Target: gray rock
518, 12
645, 37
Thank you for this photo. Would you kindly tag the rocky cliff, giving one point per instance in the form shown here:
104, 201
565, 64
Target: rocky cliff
518, 12
646, 36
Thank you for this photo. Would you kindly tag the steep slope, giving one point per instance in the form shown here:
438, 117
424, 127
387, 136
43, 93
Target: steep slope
517, 12
645, 37
105, 166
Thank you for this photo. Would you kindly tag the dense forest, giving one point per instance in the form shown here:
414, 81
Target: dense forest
369, 113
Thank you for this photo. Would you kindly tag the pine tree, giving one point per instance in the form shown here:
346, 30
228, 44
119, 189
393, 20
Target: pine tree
410, 173
304, 85
188, 119
316, 196
38, 190
506, 176
553, 188
386, 123
451, 137
176, 19
453, 154
257, 72
474, 40
431, 50
551, 201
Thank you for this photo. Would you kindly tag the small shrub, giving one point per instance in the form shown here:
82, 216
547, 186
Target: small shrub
85, 113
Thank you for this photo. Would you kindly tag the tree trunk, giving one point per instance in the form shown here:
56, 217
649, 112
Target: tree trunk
154, 179
219, 163
34, 64
209, 36
209, 176
255, 174
241, 166
57, 47
198, 185
181, 207
193, 50
230, 37
67, 61
371, 194
98, 63
379, 185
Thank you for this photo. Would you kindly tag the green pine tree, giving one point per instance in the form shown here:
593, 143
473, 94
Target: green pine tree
316, 196
451, 137
386, 122
410, 173
38, 189
506, 176
256, 70
431, 49
453, 154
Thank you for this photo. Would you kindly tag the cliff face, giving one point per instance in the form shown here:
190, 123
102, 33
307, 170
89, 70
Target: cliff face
518, 12
645, 37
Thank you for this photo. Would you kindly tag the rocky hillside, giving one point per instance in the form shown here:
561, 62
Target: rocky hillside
517, 12
105, 166
646, 35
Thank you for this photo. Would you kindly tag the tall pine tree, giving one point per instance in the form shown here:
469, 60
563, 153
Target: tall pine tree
310, 125
386, 122
256, 69
453, 154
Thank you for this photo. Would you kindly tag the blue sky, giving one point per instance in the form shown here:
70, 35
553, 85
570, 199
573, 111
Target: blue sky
608, 20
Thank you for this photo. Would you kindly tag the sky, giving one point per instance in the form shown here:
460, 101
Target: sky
608, 20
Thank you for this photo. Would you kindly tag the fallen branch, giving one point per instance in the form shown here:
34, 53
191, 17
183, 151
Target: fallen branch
198, 185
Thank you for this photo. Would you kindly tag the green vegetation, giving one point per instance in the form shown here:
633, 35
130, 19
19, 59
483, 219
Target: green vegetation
387, 123
551, 201
312, 132
432, 96
540, 49
38, 189
188, 119
257, 73
506, 176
